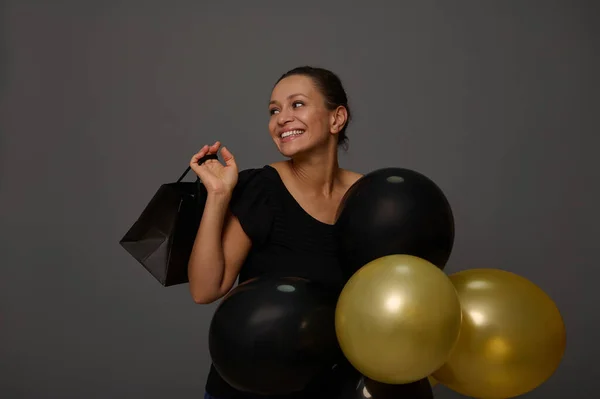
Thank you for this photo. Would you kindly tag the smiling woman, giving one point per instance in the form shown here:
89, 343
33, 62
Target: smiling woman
306, 86
277, 219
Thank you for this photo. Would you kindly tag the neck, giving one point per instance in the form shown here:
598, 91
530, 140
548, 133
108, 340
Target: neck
316, 173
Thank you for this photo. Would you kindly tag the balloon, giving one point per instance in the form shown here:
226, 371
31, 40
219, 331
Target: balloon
397, 319
512, 338
274, 335
350, 384
420, 389
394, 211
366, 388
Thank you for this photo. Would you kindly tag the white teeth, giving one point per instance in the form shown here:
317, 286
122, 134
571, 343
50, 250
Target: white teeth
292, 133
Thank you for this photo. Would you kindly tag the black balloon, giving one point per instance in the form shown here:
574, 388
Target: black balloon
394, 211
274, 335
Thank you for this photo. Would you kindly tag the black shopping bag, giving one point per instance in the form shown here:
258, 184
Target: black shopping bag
162, 237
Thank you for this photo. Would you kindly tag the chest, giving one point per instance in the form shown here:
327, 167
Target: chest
322, 210
299, 245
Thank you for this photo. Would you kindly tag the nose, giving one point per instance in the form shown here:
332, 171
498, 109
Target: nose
284, 116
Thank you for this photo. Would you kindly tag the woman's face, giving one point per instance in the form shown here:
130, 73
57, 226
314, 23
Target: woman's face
299, 120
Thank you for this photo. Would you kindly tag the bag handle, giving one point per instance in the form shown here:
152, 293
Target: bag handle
200, 162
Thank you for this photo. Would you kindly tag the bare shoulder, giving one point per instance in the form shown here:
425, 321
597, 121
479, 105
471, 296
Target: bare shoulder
349, 177
280, 166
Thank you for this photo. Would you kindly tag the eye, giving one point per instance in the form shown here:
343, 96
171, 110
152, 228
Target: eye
273, 111
297, 104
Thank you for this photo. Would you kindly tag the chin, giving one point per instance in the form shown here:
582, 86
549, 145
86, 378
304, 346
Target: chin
289, 153
300, 147
294, 151
290, 149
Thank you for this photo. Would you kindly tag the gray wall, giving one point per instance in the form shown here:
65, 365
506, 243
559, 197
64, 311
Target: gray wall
104, 101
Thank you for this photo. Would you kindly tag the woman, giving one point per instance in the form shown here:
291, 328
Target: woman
278, 218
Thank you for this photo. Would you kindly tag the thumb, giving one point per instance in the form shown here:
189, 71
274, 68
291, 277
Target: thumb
228, 157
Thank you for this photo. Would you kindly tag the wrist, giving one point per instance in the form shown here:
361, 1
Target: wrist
218, 197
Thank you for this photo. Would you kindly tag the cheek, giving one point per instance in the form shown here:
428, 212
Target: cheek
319, 121
272, 125
310, 117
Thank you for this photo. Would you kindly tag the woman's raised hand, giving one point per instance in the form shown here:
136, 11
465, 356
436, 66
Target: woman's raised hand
216, 177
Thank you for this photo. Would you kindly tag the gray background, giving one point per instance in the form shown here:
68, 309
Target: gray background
104, 101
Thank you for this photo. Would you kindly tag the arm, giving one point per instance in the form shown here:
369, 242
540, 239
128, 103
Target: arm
220, 248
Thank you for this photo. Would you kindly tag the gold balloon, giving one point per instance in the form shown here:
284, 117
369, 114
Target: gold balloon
397, 319
512, 337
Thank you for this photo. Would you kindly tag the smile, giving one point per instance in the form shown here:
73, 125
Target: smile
291, 133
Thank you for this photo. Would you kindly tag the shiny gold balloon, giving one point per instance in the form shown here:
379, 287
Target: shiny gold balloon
397, 319
512, 338
432, 381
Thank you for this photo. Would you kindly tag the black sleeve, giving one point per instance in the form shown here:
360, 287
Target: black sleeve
250, 204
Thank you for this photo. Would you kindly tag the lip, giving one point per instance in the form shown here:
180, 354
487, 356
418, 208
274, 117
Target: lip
291, 137
289, 130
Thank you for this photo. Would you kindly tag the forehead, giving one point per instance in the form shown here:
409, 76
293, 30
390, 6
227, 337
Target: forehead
296, 84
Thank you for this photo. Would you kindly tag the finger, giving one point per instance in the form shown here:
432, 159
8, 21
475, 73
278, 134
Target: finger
209, 158
228, 157
203, 150
199, 154
214, 148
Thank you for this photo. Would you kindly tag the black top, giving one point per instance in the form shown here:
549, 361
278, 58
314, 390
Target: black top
286, 240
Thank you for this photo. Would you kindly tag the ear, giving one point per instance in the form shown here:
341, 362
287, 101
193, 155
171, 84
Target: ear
338, 119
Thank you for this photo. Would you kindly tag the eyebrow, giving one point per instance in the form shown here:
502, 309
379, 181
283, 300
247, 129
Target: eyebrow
288, 97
